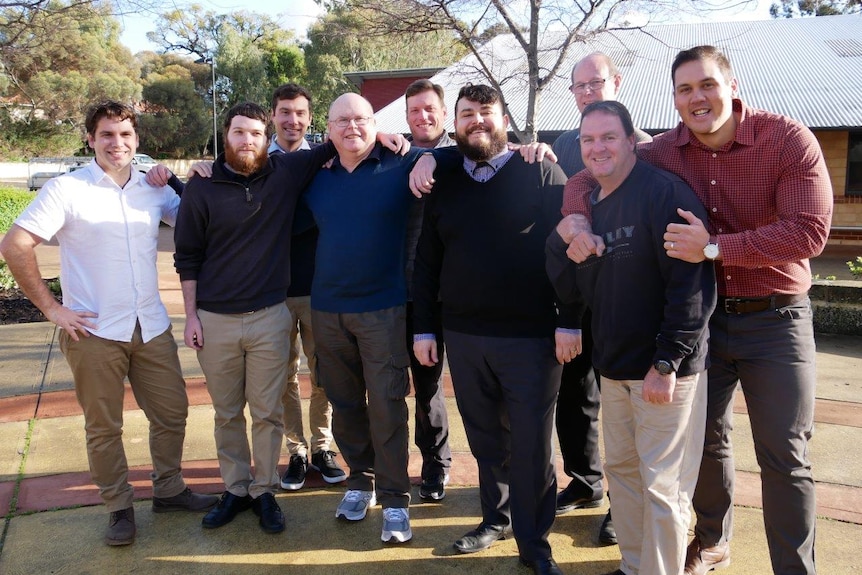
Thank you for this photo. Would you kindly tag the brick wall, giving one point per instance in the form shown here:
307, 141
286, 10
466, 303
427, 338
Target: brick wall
382, 91
847, 211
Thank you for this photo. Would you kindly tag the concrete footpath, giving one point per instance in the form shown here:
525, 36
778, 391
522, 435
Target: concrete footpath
53, 522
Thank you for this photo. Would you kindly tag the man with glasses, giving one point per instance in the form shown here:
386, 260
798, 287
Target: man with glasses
595, 78
358, 298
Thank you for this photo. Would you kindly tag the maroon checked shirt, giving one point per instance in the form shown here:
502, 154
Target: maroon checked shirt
767, 192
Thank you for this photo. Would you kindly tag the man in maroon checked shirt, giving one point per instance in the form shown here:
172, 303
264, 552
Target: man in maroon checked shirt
764, 183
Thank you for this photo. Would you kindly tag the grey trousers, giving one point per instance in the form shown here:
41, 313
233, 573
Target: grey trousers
771, 354
362, 364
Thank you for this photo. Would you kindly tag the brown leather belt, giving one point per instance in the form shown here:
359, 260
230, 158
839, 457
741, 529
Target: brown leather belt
738, 305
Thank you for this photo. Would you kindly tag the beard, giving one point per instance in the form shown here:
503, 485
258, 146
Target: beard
482, 151
243, 164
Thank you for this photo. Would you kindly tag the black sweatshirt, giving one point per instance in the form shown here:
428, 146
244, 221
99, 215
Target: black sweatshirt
233, 233
482, 250
646, 305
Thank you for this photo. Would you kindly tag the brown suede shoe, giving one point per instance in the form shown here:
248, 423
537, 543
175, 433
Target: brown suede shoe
700, 560
185, 500
121, 527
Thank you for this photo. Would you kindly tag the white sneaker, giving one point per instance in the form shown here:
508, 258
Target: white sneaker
396, 525
355, 504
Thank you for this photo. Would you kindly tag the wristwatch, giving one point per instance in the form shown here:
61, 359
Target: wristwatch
710, 251
663, 366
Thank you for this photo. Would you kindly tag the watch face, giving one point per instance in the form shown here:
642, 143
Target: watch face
711, 251
663, 367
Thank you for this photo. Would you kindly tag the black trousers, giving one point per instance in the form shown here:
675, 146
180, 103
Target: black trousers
578, 419
431, 420
506, 389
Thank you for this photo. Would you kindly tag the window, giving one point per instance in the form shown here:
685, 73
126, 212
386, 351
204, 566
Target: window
854, 164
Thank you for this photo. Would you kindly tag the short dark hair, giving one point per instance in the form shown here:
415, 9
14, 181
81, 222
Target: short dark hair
613, 108
247, 109
699, 53
290, 92
479, 93
109, 109
423, 85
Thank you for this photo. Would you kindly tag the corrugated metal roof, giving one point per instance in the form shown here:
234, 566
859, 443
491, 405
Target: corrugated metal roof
807, 68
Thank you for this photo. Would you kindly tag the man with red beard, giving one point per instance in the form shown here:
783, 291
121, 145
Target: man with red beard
233, 238
482, 251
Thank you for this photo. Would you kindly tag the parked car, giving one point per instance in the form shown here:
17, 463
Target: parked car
143, 163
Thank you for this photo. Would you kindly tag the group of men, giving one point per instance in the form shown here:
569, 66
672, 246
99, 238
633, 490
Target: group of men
534, 308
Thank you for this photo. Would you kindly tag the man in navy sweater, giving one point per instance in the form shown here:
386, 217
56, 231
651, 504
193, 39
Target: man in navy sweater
650, 315
481, 250
358, 296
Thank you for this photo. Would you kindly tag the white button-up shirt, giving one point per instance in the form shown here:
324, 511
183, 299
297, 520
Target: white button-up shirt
108, 245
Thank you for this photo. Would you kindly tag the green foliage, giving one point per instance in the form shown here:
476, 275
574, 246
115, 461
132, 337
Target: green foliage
793, 8
6, 280
177, 120
64, 56
855, 267
21, 140
349, 38
12, 203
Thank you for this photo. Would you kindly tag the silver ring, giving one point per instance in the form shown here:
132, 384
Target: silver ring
672, 244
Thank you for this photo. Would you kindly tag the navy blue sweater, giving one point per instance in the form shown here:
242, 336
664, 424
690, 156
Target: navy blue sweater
362, 219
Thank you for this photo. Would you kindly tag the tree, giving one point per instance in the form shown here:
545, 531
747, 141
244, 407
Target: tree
346, 39
253, 55
175, 118
59, 78
542, 33
791, 8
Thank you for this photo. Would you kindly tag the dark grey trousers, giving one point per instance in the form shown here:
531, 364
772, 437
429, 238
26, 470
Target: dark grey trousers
362, 364
506, 389
578, 419
431, 420
771, 354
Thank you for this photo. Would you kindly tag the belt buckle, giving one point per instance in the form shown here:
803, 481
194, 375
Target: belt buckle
730, 305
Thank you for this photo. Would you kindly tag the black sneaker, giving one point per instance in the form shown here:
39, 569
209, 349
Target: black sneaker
294, 476
324, 462
433, 487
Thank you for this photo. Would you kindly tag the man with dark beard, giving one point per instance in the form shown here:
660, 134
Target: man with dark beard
232, 238
482, 250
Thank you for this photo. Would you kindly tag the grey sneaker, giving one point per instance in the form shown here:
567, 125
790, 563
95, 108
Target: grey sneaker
121, 527
396, 525
355, 504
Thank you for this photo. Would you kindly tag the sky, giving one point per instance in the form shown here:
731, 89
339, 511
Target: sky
297, 15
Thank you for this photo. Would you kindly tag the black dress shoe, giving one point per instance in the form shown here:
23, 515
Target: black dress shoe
577, 496
543, 566
226, 509
607, 533
271, 517
481, 538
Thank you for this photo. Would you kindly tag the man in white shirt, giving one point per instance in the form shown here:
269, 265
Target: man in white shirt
113, 324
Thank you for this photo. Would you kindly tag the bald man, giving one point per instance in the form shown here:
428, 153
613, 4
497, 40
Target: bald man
358, 299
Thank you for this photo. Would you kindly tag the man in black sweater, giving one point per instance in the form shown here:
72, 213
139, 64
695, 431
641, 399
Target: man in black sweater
233, 238
650, 315
482, 249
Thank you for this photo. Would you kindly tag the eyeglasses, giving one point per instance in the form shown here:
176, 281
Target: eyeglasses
344, 122
593, 85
